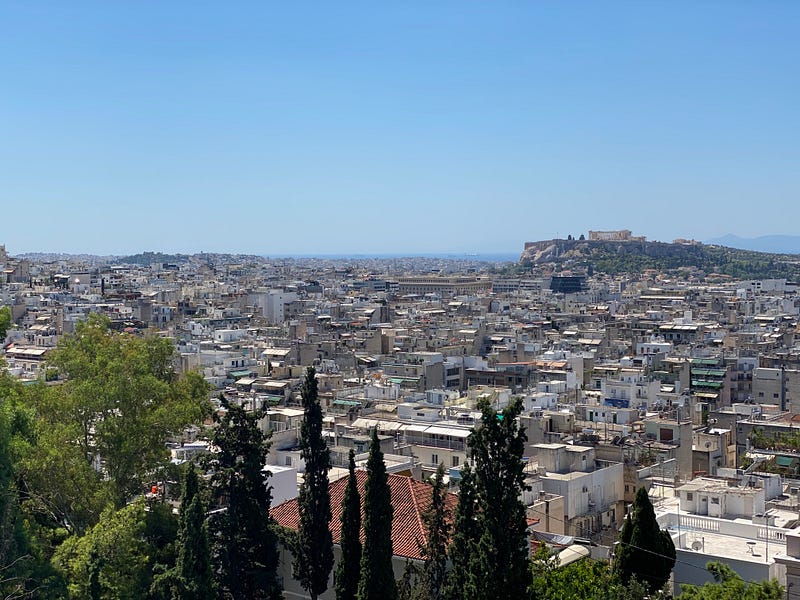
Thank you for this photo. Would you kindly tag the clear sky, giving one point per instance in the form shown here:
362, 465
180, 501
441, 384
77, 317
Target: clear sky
379, 127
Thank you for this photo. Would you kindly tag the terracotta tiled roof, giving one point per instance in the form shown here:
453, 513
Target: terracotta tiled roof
410, 499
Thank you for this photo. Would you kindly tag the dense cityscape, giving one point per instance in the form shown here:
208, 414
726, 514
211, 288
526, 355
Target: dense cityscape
191, 426
399, 301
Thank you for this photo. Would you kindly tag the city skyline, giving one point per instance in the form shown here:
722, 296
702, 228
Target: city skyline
274, 130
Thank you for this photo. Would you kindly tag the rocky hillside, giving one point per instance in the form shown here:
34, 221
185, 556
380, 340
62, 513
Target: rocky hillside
621, 257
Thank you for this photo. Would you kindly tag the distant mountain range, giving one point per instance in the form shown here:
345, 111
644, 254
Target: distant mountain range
777, 244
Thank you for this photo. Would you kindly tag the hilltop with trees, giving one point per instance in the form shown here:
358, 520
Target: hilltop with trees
616, 257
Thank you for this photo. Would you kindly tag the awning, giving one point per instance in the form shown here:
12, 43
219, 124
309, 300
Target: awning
347, 402
709, 384
450, 431
238, 374
414, 428
572, 554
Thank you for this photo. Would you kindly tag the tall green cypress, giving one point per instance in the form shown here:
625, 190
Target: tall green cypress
645, 551
194, 559
463, 544
437, 530
377, 577
497, 446
314, 551
243, 540
349, 567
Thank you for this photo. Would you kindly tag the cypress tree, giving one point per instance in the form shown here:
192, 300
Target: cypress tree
497, 446
349, 567
437, 529
243, 540
194, 559
314, 559
645, 551
377, 577
463, 545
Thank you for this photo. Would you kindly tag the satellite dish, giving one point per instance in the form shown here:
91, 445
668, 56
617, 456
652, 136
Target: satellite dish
697, 544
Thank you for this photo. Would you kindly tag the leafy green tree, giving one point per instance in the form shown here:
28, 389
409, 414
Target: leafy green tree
59, 490
111, 559
497, 446
437, 529
244, 547
15, 545
314, 550
644, 550
5, 322
377, 577
124, 398
728, 585
585, 579
349, 566
459, 581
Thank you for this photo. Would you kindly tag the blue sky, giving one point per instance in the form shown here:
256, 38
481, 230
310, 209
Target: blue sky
341, 127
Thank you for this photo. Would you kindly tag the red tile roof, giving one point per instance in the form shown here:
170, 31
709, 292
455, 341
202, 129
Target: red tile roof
410, 499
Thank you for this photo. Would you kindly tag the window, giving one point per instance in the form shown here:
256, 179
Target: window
714, 500
689, 496
288, 461
775, 395
456, 460
434, 459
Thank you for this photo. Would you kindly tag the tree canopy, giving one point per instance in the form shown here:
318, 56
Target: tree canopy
460, 579
5, 322
644, 550
243, 540
497, 445
728, 585
122, 399
113, 558
349, 566
314, 550
377, 577
436, 519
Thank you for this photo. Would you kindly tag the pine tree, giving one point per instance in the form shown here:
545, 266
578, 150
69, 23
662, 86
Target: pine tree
437, 529
377, 577
497, 446
463, 545
349, 567
314, 559
645, 551
194, 561
243, 540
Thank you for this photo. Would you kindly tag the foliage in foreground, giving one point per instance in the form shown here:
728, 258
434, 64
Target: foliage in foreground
728, 585
314, 559
377, 577
585, 579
